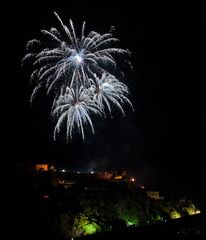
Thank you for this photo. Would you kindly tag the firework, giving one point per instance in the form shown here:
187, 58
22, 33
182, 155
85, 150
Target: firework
108, 89
74, 107
77, 70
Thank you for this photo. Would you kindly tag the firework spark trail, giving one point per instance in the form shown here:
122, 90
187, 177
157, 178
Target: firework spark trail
75, 69
75, 106
109, 89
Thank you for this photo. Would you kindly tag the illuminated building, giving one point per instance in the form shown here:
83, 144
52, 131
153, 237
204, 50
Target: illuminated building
45, 167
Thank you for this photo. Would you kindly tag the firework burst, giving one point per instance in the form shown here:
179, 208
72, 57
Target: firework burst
108, 89
77, 70
74, 107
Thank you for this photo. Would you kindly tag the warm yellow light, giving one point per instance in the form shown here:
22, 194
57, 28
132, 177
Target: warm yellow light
61, 181
192, 210
118, 177
175, 214
43, 167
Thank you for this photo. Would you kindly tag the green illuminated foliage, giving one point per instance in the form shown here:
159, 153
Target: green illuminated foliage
83, 225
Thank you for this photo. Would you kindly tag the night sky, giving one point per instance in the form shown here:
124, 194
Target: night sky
163, 141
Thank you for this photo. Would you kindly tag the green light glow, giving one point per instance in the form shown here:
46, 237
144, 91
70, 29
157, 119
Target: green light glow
90, 228
130, 220
175, 214
130, 223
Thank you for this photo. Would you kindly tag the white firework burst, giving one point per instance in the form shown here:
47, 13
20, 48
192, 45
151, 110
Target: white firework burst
108, 89
75, 107
69, 66
69, 59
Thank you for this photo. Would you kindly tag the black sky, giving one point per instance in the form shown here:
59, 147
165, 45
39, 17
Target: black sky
163, 141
